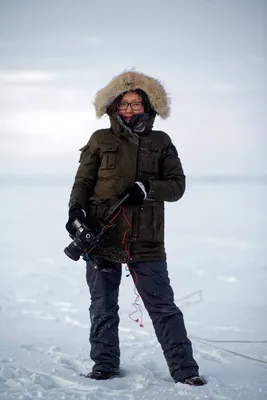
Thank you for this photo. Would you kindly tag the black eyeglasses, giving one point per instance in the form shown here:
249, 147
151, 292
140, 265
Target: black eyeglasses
135, 105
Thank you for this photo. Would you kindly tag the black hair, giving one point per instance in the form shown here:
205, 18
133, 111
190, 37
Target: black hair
113, 107
147, 105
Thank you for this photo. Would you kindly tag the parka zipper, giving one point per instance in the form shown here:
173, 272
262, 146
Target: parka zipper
136, 208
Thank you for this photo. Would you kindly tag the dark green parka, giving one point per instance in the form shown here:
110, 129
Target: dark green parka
114, 159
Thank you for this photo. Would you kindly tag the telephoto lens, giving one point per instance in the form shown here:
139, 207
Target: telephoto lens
74, 250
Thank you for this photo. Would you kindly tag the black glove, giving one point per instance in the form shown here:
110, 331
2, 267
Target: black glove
75, 211
138, 192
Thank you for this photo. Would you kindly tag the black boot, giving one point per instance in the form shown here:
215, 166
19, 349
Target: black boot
101, 375
195, 381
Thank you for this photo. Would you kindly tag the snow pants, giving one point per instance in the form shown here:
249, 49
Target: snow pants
153, 286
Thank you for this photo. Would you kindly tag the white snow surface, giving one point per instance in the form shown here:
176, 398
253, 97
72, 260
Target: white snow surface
216, 243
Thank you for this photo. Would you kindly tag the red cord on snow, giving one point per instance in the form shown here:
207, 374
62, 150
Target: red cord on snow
136, 304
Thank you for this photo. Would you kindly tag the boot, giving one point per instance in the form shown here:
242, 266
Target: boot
101, 375
195, 381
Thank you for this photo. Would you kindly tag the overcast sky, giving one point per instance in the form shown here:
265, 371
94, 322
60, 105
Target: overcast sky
209, 54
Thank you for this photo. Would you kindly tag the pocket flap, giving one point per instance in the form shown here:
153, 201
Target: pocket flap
108, 147
82, 150
84, 147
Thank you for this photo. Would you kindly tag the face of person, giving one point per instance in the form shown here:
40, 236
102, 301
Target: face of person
130, 104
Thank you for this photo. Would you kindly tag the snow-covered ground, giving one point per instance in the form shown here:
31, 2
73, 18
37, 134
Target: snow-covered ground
217, 255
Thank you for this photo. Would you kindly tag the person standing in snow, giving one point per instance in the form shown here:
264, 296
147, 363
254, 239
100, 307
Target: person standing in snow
131, 158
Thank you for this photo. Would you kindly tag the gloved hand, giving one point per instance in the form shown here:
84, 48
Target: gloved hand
138, 192
75, 211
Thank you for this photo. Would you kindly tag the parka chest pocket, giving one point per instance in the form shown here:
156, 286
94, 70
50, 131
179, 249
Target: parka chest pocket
149, 160
108, 155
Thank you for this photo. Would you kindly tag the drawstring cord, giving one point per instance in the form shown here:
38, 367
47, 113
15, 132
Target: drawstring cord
136, 304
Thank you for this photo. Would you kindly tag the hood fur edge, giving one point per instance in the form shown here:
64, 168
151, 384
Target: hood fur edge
132, 80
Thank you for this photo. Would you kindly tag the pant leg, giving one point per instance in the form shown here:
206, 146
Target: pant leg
153, 285
104, 336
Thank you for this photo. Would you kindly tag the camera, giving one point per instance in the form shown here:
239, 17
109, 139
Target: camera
85, 239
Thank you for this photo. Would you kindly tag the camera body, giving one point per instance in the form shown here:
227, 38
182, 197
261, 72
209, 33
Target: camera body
84, 240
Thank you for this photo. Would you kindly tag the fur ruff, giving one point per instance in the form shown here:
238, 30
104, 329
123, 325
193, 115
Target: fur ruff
129, 81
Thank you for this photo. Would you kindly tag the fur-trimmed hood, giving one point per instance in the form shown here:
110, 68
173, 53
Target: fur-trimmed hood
130, 81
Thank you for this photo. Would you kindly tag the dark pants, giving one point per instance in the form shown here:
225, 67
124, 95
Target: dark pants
153, 285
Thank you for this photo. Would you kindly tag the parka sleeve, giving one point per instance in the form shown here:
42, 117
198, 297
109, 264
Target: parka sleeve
171, 185
86, 175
